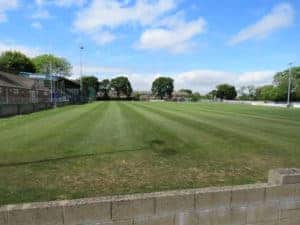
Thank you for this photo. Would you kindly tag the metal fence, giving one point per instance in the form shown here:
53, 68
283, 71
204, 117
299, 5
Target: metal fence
14, 95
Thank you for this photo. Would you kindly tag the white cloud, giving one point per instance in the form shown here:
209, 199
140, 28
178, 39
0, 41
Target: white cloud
281, 16
202, 81
37, 25
164, 30
256, 77
41, 9
61, 3
141, 82
103, 37
41, 14
6, 5
101, 14
11, 46
174, 38
68, 3
96, 70
206, 80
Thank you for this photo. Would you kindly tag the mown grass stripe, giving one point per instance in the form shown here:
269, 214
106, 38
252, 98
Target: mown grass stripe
227, 125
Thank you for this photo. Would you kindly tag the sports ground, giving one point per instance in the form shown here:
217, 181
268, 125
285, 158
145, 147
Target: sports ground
108, 148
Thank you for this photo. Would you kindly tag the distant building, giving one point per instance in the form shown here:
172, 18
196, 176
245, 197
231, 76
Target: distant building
37, 88
62, 89
144, 95
180, 96
15, 89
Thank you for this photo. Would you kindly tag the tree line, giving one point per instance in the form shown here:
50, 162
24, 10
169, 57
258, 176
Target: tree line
16, 62
162, 87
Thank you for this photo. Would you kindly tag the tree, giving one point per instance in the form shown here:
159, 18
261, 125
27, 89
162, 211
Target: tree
212, 94
195, 97
281, 80
16, 62
89, 87
267, 93
247, 93
226, 91
122, 86
162, 87
187, 91
104, 87
49, 63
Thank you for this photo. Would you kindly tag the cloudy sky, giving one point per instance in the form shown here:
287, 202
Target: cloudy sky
199, 43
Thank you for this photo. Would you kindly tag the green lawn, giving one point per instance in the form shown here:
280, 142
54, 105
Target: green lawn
109, 148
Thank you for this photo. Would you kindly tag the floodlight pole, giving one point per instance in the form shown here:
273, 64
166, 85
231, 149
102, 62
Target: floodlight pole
51, 80
289, 85
81, 50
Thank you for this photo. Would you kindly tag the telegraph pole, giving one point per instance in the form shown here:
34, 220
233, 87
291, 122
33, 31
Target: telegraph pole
289, 85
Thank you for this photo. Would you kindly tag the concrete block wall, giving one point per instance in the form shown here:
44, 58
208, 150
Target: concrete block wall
19, 109
273, 203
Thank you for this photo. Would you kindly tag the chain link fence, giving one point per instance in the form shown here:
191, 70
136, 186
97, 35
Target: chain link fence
14, 95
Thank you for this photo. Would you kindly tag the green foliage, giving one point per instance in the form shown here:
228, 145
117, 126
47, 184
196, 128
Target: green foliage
247, 93
267, 92
104, 87
136, 96
212, 94
195, 97
49, 63
226, 91
16, 62
89, 87
188, 91
283, 76
163, 87
122, 86
279, 91
281, 82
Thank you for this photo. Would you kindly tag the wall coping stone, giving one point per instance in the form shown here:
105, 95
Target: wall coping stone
281, 191
132, 197
284, 176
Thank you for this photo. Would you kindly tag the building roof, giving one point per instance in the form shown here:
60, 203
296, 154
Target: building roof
69, 83
11, 80
6, 82
39, 76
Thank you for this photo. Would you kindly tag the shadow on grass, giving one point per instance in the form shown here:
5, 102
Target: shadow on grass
162, 149
158, 146
67, 158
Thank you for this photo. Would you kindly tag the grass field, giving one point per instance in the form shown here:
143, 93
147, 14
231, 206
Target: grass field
109, 148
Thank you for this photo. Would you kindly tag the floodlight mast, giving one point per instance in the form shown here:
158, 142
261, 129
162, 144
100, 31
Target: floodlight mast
289, 85
51, 81
81, 50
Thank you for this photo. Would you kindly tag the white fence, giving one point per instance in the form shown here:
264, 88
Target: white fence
262, 103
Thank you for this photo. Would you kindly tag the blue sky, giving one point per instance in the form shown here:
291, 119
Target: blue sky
199, 43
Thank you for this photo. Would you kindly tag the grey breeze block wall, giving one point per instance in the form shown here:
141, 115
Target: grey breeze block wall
274, 203
7, 110
19, 109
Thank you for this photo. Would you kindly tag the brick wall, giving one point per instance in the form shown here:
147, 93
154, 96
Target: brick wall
274, 203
